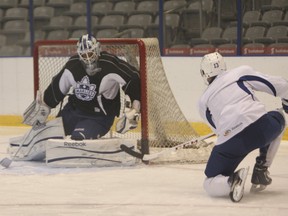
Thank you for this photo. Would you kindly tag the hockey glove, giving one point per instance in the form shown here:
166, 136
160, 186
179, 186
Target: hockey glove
285, 105
37, 112
130, 118
128, 121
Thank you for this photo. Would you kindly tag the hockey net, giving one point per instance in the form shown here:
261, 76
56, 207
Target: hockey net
162, 124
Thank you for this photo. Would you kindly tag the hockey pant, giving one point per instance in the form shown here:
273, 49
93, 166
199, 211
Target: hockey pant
266, 132
81, 125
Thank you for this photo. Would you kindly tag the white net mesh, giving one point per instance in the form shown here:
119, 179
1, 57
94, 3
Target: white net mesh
163, 125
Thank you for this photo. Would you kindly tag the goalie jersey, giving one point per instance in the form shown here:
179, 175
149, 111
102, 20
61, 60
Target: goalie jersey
228, 115
98, 94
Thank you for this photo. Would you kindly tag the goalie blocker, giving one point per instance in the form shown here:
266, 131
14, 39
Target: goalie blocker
37, 112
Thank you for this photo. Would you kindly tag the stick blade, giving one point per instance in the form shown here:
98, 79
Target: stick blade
131, 152
5, 162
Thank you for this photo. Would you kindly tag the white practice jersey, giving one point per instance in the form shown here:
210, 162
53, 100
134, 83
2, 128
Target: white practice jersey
229, 103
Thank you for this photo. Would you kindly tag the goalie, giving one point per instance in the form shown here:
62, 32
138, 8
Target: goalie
95, 78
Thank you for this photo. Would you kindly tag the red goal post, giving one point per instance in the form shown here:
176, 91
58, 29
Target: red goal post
162, 123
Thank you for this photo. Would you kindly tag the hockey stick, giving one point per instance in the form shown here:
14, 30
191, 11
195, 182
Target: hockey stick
148, 157
6, 162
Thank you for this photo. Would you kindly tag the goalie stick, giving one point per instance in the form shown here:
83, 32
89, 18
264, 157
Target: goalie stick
6, 162
148, 157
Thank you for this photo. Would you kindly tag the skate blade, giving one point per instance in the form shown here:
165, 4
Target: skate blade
238, 191
257, 188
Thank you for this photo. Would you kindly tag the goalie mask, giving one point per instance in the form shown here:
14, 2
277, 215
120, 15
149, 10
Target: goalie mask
211, 65
88, 49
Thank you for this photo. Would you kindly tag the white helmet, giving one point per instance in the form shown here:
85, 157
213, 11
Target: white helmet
88, 49
211, 65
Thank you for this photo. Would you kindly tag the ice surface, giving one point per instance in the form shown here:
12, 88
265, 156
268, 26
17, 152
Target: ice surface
30, 189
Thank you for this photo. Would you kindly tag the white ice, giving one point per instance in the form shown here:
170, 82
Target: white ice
30, 189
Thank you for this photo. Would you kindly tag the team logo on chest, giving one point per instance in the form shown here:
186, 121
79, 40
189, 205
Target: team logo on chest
84, 90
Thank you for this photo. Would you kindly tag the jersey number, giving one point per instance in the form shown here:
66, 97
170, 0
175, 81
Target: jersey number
216, 65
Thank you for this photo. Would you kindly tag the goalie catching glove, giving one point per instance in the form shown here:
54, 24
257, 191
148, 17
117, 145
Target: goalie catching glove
37, 112
130, 118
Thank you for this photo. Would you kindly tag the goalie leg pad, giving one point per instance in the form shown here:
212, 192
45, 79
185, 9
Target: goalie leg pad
89, 153
31, 146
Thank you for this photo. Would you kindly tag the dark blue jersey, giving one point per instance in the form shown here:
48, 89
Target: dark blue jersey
98, 94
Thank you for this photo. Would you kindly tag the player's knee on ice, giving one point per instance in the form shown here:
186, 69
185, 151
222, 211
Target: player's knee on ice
217, 186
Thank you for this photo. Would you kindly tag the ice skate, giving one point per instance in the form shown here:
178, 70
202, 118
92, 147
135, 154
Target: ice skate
260, 178
237, 181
